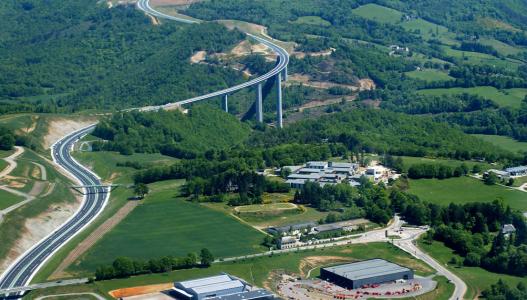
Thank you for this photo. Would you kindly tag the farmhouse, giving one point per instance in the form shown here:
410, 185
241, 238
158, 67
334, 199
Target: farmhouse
288, 242
508, 229
374, 271
517, 171
293, 228
218, 287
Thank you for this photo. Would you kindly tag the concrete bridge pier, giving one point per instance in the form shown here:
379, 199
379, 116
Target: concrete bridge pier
225, 103
259, 103
284, 74
279, 120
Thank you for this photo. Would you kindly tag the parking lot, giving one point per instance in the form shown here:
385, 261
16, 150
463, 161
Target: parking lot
292, 288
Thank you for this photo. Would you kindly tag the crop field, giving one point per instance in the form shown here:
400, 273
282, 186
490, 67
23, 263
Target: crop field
464, 190
166, 225
429, 75
504, 142
378, 13
477, 279
312, 20
508, 97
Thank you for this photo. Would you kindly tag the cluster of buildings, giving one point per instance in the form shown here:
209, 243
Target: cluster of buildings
509, 172
290, 235
323, 173
220, 287
365, 273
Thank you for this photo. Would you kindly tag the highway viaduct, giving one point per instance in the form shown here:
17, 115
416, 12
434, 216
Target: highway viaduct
278, 73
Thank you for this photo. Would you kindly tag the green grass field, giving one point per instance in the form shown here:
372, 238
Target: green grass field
443, 291
276, 218
501, 47
410, 160
509, 97
504, 142
4, 154
104, 163
312, 20
477, 279
426, 29
477, 58
378, 13
258, 270
429, 75
166, 225
464, 190
7, 199
265, 207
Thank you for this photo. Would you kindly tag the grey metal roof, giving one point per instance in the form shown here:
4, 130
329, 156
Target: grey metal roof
516, 169
366, 269
508, 228
342, 165
317, 163
298, 226
205, 281
258, 294
220, 286
305, 176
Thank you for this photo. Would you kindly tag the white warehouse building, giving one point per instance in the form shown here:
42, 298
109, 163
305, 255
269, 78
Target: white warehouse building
220, 287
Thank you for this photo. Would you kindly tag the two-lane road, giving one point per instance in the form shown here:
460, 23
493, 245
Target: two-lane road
22, 271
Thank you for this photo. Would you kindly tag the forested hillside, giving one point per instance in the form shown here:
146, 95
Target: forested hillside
378, 131
448, 58
171, 132
72, 55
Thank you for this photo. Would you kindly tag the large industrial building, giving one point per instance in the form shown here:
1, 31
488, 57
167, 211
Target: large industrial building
374, 271
220, 287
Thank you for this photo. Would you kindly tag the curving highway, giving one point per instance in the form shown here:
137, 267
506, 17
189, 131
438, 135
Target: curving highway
21, 272
281, 66
26, 266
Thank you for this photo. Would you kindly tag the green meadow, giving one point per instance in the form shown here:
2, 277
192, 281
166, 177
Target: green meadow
507, 97
167, 225
465, 189
504, 142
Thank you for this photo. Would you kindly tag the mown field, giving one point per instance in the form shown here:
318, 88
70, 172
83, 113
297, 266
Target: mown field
312, 20
504, 142
478, 58
477, 279
508, 97
263, 219
429, 75
167, 225
258, 271
378, 13
464, 190
410, 160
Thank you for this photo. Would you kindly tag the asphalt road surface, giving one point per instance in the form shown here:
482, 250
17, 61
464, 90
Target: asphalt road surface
22, 271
